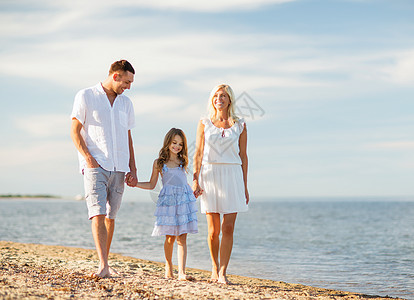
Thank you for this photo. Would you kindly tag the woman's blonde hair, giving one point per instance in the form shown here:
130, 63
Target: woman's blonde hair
231, 109
164, 155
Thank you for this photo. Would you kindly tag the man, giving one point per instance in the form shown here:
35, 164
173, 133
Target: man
102, 119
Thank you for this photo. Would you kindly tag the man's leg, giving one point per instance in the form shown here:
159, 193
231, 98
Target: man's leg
100, 236
115, 192
110, 227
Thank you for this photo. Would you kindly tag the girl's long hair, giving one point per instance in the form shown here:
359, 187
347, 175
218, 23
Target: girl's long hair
164, 154
231, 109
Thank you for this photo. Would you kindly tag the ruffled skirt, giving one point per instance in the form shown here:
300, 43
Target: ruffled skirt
223, 187
176, 211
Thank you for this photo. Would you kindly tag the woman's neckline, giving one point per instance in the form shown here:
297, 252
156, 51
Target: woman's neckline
221, 127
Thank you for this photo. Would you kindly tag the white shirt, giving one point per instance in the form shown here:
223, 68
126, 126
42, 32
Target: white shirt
221, 146
105, 127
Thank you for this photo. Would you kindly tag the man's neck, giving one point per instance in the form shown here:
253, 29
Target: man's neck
110, 94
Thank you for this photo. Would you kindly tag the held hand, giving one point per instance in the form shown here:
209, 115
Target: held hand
246, 192
131, 179
197, 189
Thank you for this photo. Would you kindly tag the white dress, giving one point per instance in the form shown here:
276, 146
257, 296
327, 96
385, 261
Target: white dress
176, 211
221, 175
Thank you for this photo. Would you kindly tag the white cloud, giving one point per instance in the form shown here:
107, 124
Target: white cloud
46, 152
402, 71
45, 125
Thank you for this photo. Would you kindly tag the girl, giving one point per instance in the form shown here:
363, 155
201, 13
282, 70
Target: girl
176, 206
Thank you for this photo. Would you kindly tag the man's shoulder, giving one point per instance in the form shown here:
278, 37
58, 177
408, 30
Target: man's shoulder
90, 91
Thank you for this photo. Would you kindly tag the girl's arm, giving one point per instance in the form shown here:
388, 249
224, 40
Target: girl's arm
198, 158
150, 185
244, 159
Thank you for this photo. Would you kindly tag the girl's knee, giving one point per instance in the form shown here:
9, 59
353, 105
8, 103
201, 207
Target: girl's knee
182, 239
170, 239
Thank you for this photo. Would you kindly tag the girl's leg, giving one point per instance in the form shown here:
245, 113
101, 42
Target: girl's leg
213, 240
182, 255
226, 246
168, 251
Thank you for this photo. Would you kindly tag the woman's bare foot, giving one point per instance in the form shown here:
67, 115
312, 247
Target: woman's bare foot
214, 275
223, 280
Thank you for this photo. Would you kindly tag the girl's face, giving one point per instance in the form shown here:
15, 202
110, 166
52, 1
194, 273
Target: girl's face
176, 145
221, 100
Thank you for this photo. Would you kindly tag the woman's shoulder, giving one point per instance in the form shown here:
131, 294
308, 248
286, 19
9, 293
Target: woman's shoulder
240, 123
205, 121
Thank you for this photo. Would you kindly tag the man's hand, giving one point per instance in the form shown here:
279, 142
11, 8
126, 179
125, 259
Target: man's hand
91, 163
131, 179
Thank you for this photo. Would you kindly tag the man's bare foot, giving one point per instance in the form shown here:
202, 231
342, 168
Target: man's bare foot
183, 277
113, 271
102, 274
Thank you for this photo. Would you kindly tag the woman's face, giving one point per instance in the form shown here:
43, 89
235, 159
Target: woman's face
221, 100
176, 145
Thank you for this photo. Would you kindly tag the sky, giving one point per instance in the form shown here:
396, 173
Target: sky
326, 87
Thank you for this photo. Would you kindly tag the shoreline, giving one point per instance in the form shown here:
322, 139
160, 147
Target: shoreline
38, 271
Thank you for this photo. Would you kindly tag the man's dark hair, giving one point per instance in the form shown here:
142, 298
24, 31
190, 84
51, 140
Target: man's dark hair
121, 65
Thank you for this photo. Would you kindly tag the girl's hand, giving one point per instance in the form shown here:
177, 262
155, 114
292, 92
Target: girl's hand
197, 189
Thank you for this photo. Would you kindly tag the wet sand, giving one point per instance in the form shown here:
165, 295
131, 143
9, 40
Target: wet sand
33, 271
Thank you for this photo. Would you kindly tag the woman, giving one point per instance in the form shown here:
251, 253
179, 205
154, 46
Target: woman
220, 175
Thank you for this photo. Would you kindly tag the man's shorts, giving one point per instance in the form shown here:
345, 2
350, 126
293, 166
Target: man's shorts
103, 191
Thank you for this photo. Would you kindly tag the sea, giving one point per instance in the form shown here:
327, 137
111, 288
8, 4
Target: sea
363, 245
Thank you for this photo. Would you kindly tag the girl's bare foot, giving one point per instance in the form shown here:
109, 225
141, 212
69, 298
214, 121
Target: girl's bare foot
168, 272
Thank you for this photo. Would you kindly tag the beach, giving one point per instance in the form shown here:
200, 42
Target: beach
32, 271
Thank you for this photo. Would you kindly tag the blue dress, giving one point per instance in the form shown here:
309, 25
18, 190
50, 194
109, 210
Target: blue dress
176, 211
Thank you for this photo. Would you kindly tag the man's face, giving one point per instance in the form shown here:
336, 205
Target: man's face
122, 81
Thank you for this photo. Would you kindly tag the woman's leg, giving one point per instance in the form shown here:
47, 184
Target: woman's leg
182, 255
213, 240
168, 251
227, 228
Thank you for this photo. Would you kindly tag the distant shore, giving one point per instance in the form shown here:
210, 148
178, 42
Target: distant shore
8, 196
55, 272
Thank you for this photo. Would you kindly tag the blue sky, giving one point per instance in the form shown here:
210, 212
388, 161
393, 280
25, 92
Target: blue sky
333, 80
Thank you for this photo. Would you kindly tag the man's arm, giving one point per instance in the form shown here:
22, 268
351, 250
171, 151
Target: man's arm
80, 144
131, 178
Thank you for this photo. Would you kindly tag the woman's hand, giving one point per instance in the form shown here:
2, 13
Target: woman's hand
246, 192
197, 189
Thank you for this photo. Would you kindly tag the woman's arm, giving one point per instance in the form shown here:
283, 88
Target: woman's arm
244, 159
198, 158
150, 185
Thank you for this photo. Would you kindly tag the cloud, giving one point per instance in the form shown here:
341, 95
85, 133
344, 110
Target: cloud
44, 125
211, 6
401, 71
29, 156
203, 6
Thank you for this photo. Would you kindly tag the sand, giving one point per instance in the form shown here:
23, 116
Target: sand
33, 271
